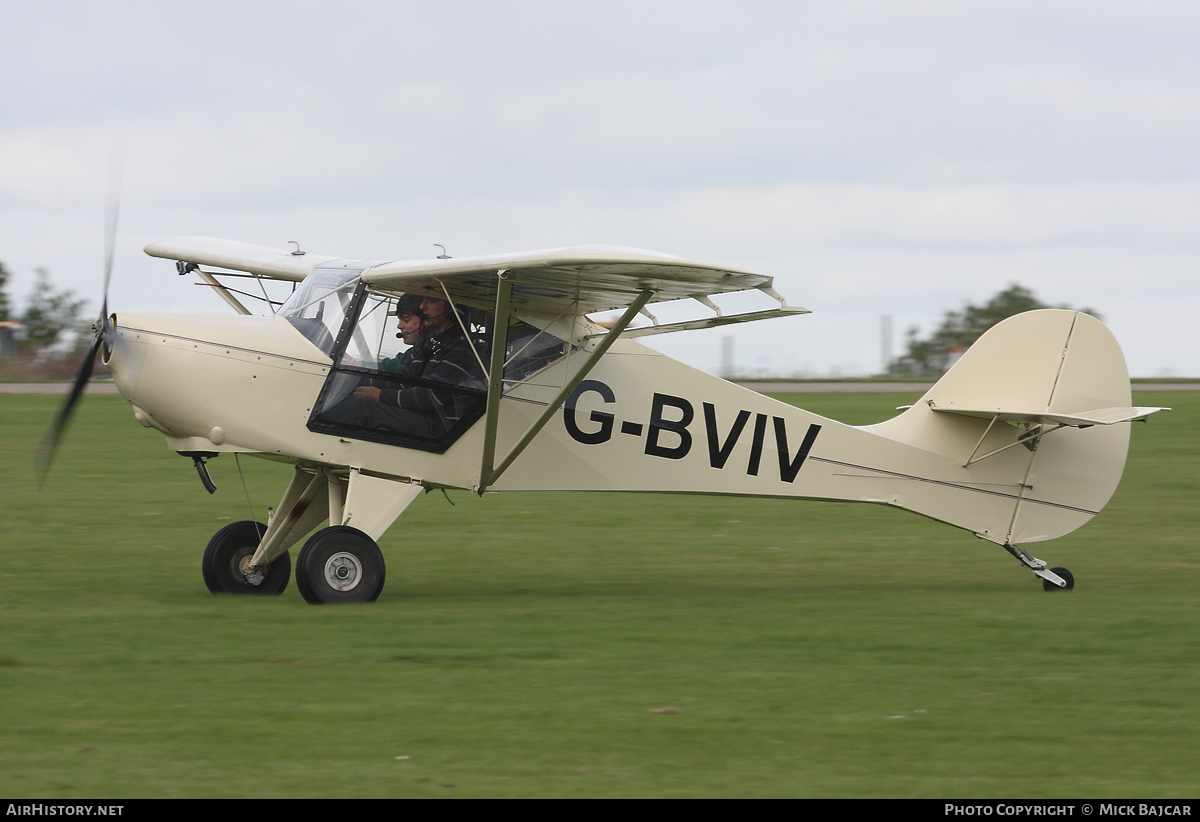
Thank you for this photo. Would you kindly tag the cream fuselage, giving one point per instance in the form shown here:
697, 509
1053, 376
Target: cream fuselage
640, 422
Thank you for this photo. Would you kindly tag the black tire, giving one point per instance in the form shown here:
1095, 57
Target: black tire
340, 564
225, 553
1065, 574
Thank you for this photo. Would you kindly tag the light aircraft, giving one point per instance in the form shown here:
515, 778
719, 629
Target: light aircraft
1023, 440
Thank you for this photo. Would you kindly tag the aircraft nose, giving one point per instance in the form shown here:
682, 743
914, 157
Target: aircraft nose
116, 353
108, 335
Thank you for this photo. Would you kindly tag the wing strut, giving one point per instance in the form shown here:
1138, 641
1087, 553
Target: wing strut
234, 303
488, 475
495, 377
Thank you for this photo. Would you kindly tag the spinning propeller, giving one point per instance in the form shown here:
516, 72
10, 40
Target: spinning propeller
103, 336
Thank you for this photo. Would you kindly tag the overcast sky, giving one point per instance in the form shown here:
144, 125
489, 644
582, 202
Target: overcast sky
875, 158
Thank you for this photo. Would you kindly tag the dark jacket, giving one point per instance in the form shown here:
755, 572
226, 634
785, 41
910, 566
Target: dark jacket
444, 358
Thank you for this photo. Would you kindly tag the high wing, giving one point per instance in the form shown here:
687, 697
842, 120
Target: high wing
579, 280
585, 278
561, 281
257, 260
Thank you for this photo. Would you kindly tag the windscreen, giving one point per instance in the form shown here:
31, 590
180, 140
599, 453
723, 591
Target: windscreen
318, 307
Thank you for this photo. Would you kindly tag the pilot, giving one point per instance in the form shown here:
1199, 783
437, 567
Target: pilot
443, 355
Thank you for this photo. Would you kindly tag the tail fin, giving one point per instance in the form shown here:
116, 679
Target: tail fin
1036, 406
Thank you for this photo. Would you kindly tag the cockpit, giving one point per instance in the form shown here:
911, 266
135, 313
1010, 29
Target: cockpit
424, 392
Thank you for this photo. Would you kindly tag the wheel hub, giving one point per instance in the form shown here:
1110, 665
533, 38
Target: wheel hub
252, 574
343, 571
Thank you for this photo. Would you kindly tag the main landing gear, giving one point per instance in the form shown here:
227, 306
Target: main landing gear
1053, 579
340, 564
227, 568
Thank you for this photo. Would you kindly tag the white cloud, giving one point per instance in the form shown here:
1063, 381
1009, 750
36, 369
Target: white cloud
873, 157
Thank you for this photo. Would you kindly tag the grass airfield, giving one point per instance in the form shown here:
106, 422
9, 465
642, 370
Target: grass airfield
592, 645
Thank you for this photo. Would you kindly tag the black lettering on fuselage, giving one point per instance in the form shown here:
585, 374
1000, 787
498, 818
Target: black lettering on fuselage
667, 433
756, 445
604, 432
719, 453
659, 424
788, 467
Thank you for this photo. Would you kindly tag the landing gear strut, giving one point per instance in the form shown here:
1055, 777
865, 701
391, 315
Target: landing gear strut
1053, 579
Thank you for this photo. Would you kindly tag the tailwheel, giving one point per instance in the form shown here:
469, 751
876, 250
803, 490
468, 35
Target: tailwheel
1066, 576
227, 558
340, 564
1053, 579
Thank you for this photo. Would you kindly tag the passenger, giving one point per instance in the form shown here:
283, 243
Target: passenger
410, 320
443, 355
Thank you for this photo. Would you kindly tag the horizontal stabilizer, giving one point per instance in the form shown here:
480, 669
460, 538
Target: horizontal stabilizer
1082, 419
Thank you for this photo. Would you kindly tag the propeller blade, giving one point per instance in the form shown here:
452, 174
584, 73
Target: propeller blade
103, 328
111, 213
53, 435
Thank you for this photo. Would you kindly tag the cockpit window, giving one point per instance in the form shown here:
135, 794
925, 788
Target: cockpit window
412, 371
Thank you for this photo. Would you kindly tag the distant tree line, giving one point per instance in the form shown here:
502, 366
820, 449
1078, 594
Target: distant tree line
48, 336
933, 355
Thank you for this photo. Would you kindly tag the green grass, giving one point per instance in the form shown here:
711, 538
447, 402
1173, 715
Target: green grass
524, 642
